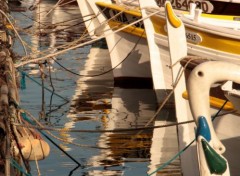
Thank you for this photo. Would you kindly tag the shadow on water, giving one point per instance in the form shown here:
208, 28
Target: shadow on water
94, 103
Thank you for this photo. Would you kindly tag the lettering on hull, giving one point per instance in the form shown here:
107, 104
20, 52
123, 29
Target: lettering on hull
206, 6
123, 17
191, 36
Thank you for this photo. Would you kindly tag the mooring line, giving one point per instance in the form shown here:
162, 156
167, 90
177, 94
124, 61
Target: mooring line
101, 131
110, 70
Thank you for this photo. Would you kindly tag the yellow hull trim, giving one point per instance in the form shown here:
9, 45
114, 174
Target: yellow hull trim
220, 17
215, 102
130, 29
135, 12
213, 41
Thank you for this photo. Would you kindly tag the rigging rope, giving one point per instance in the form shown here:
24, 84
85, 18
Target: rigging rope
82, 38
4, 14
120, 130
49, 56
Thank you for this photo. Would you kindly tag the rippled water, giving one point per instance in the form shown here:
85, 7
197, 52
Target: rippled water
94, 103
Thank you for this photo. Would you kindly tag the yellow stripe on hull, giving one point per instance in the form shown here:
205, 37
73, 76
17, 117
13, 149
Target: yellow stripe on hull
212, 41
134, 12
209, 40
218, 42
220, 17
131, 29
159, 25
215, 102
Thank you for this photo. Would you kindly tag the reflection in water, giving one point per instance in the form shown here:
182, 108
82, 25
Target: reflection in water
50, 31
118, 108
61, 26
164, 144
131, 108
95, 104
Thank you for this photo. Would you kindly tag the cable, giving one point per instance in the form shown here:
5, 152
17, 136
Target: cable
100, 74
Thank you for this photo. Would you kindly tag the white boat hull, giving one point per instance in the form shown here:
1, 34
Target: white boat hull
129, 56
129, 53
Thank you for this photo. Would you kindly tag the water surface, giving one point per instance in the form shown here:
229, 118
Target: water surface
94, 103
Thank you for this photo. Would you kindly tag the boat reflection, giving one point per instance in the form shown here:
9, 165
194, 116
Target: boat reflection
54, 27
115, 108
131, 108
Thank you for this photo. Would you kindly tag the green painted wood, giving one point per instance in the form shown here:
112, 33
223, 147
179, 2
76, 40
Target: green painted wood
216, 163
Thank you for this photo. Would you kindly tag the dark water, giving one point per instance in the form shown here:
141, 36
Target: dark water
94, 103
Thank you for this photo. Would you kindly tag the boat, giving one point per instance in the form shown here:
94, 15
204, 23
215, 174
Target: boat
128, 53
203, 31
224, 33
216, 119
120, 15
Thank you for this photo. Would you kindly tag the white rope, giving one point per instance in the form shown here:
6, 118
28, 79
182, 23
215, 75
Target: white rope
67, 3
82, 44
14, 31
83, 37
55, 6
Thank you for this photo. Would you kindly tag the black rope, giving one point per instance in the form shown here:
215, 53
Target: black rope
53, 89
216, 115
56, 145
100, 74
